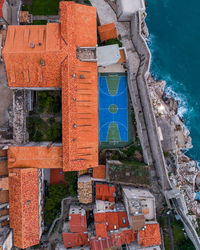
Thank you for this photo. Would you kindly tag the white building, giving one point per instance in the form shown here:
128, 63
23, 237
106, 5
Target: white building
126, 8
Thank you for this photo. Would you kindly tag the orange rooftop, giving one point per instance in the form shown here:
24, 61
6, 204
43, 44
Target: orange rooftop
43, 57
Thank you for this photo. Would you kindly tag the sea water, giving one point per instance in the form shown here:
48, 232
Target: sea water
174, 41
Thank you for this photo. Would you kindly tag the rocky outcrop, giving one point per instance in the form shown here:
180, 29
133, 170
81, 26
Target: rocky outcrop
175, 138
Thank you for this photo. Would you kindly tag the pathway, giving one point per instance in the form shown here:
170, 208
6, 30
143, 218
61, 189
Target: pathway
15, 6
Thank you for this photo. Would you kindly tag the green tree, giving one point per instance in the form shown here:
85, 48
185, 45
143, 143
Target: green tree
113, 41
53, 202
71, 180
54, 132
186, 245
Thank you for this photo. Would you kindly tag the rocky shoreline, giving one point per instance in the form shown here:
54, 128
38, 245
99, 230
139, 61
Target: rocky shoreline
182, 170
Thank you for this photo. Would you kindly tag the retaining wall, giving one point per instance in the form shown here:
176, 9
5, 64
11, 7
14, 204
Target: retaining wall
147, 110
151, 126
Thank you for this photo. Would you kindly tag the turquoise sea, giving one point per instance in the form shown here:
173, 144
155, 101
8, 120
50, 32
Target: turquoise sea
174, 41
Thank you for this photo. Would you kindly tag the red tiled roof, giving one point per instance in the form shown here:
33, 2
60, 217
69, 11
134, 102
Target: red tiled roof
100, 217
105, 192
115, 239
99, 172
150, 236
24, 210
123, 219
45, 56
57, 176
101, 229
35, 157
79, 96
78, 223
1, 7
100, 244
33, 55
114, 220
123, 57
80, 117
75, 239
107, 31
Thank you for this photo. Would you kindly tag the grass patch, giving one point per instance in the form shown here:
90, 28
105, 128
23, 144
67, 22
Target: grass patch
167, 242
39, 22
44, 7
112, 41
130, 172
166, 154
180, 242
178, 233
129, 151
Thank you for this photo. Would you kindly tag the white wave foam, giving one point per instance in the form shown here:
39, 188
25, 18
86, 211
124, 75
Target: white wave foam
182, 100
172, 85
198, 165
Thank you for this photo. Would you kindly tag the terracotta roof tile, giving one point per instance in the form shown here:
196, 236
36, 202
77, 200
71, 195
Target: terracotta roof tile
78, 22
57, 176
123, 219
100, 217
99, 172
107, 31
101, 229
115, 239
35, 157
105, 192
75, 239
79, 96
150, 236
78, 223
40, 60
123, 57
24, 210
80, 117
45, 56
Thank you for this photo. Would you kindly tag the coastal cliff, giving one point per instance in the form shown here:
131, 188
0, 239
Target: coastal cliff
175, 139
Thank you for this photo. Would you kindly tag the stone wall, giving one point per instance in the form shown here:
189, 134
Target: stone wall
147, 110
20, 135
152, 128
